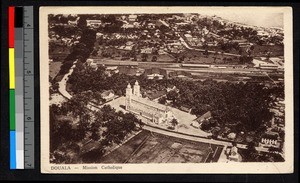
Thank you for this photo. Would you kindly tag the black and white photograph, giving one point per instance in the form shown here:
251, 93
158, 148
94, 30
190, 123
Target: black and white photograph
166, 89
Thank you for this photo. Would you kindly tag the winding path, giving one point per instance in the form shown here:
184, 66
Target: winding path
62, 85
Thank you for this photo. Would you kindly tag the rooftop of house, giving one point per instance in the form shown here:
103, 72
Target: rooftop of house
154, 95
204, 116
270, 135
107, 93
155, 71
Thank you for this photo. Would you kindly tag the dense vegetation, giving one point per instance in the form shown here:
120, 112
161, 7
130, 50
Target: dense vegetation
72, 124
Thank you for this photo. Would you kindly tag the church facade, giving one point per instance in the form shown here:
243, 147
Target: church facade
153, 111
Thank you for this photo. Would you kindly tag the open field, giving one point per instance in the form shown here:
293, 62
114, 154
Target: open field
194, 56
147, 147
54, 69
275, 50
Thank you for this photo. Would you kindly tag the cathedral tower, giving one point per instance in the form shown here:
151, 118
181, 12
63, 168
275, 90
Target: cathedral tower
128, 96
136, 89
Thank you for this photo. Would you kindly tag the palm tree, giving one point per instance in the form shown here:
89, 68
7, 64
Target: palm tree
174, 122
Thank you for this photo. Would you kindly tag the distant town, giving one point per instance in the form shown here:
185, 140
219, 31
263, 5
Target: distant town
164, 88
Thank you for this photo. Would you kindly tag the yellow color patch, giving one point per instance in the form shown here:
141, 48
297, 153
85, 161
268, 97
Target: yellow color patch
11, 68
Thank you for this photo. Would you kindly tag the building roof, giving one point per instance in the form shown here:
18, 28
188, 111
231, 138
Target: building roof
204, 116
177, 73
240, 40
132, 16
185, 109
156, 94
106, 93
188, 36
270, 135
149, 102
155, 71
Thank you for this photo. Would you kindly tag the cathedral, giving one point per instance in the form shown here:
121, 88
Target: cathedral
135, 103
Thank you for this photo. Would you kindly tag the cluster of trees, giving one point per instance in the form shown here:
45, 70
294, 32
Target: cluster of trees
85, 79
242, 107
250, 154
229, 46
72, 123
238, 32
60, 18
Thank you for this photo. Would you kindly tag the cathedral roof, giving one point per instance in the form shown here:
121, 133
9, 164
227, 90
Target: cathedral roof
149, 103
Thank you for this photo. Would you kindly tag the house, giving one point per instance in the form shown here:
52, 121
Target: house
151, 25
128, 26
99, 34
185, 109
242, 42
179, 74
146, 50
189, 37
212, 43
232, 154
270, 139
154, 95
262, 33
152, 76
74, 22
132, 18
155, 73
111, 70
90, 62
205, 116
108, 95
172, 88
93, 23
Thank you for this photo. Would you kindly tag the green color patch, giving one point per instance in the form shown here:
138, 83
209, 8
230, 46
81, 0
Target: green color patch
12, 110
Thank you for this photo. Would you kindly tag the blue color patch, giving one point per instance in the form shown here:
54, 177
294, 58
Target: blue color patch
13, 151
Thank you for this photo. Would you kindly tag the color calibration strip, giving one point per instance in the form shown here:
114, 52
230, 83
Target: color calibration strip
12, 104
21, 87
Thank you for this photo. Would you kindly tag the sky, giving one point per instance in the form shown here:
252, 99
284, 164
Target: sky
255, 18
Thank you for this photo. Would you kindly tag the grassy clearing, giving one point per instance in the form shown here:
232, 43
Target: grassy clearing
54, 68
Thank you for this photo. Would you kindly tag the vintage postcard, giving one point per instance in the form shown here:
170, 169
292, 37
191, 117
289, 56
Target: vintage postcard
166, 89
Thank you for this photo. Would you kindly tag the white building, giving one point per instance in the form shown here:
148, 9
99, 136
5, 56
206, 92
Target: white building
132, 18
151, 110
93, 23
154, 75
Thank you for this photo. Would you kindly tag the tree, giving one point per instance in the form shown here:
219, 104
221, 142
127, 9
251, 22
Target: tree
154, 58
215, 132
162, 100
172, 95
174, 122
250, 152
144, 57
